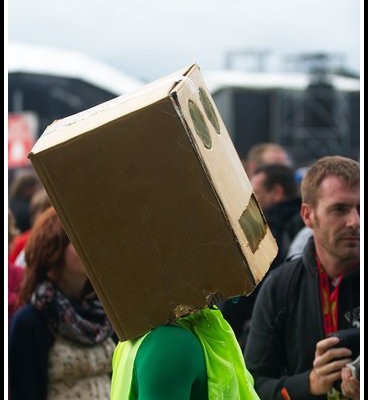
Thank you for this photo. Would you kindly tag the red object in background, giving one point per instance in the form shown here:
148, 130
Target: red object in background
15, 279
22, 129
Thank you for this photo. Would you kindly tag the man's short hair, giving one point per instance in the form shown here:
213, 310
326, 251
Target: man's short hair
277, 174
344, 168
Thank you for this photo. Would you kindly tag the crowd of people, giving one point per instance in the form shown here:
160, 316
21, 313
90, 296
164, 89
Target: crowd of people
276, 343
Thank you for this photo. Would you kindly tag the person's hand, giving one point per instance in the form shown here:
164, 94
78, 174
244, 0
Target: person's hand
327, 365
350, 386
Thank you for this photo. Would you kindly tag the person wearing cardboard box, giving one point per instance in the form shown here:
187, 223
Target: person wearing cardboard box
306, 300
196, 357
166, 231
60, 340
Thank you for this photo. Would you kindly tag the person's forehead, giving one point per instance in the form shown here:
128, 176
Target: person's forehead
333, 189
275, 155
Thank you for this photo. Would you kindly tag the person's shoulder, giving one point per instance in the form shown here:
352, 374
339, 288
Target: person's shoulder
172, 339
25, 312
171, 344
26, 317
29, 322
283, 271
169, 361
171, 334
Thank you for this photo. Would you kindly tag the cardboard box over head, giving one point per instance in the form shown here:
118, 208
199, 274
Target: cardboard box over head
152, 194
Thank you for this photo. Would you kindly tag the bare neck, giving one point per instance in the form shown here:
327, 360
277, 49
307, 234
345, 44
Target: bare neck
335, 266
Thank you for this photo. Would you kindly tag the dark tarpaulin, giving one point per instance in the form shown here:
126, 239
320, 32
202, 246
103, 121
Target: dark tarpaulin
52, 97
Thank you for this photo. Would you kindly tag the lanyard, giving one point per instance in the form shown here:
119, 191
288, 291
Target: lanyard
329, 299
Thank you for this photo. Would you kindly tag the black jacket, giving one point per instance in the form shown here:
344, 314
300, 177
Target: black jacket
280, 351
284, 221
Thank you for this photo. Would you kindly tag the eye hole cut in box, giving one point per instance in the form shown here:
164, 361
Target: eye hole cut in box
209, 110
200, 125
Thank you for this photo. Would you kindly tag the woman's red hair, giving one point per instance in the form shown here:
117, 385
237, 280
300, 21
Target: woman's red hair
45, 251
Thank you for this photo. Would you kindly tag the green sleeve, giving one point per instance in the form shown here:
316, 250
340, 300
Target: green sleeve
170, 365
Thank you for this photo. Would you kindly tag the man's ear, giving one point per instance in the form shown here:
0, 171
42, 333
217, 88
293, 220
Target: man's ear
306, 212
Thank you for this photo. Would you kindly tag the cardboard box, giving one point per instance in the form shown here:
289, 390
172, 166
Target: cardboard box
152, 194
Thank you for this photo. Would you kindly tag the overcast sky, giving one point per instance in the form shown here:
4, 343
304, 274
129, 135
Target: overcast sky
151, 38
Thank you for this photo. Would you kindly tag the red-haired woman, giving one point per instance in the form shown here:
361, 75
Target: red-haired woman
60, 340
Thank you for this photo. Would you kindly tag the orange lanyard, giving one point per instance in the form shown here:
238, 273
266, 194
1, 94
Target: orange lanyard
329, 299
